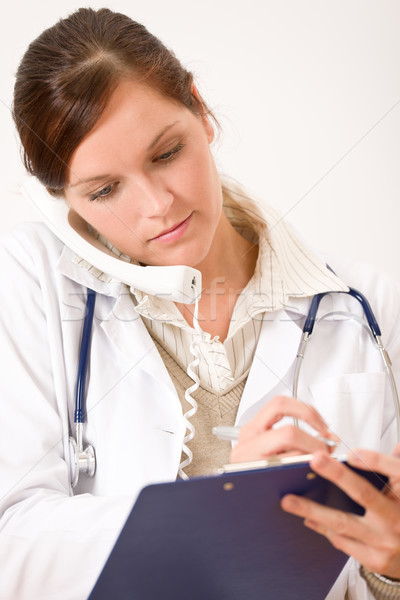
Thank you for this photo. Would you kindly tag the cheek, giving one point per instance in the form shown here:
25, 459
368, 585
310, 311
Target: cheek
114, 224
121, 231
197, 178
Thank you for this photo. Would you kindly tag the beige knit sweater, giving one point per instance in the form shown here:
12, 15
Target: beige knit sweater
209, 453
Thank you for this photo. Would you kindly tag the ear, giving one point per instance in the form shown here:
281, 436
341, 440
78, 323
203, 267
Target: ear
203, 115
208, 127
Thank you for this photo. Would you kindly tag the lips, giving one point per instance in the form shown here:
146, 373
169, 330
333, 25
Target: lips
173, 232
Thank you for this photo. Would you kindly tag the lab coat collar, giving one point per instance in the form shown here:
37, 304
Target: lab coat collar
293, 269
272, 364
78, 270
121, 323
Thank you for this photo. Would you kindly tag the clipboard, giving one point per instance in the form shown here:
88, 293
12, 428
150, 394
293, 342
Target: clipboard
225, 537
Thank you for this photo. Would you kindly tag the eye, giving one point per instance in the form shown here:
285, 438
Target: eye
170, 155
103, 193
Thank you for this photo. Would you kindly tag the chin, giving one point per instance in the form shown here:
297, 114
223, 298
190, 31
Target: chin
188, 258
195, 258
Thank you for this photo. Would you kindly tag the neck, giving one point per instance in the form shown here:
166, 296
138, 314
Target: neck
226, 270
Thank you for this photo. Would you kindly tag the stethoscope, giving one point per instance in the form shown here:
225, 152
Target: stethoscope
84, 459
373, 329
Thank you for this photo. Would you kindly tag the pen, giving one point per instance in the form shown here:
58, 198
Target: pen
224, 432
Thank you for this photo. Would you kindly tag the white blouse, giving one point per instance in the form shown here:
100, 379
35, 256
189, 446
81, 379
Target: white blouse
282, 261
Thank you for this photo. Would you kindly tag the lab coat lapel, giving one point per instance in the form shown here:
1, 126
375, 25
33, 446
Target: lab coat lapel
274, 358
163, 439
119, 320
125, 328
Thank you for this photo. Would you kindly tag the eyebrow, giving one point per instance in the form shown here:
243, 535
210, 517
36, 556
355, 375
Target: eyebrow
161, 134
106, 176
89, 180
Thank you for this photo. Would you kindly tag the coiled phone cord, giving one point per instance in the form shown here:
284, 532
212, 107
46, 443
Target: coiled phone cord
193, 374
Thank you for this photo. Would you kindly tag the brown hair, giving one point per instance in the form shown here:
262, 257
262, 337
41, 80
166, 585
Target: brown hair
68, 74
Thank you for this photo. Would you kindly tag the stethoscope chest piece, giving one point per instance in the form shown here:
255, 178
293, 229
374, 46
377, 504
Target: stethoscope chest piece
82, 460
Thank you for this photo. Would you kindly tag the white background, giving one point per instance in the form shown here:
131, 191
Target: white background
307, 93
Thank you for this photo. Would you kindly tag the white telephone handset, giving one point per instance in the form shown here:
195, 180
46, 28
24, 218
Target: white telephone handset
177, 283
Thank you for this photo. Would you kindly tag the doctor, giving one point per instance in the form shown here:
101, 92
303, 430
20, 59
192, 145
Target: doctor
111, 124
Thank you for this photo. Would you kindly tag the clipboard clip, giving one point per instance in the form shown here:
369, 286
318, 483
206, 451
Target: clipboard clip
272, 461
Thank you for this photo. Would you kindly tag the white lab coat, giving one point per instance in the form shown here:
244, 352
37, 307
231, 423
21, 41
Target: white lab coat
53, 542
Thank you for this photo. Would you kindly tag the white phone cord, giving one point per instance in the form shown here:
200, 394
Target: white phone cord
194, 349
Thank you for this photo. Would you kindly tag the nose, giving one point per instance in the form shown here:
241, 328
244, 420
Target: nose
152, 198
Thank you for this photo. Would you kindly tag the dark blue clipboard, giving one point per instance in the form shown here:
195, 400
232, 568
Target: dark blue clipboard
225, 537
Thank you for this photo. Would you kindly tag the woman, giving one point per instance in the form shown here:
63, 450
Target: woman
112, 125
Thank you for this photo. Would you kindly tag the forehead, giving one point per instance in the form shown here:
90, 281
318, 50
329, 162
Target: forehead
135, 116
137, 104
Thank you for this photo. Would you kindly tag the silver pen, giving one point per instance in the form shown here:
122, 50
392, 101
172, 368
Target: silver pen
224, 432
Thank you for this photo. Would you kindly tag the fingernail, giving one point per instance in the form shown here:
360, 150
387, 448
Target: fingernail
289, 502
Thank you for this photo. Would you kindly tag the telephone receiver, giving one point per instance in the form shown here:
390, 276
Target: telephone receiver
177, 283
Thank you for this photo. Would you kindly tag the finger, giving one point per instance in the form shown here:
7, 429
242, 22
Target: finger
374, 557
346, 544
330, 522
375, 461
349, 533
381, 463
276, 409
354, 485
289, 439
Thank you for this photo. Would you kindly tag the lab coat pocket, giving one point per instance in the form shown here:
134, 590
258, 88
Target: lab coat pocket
352, 405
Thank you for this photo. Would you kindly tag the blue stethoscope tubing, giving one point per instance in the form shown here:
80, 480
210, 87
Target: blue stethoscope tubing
84, 459
376, 336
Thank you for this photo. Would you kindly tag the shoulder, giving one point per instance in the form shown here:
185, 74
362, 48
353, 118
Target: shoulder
363, 276
30, 239
28, 255
380, 289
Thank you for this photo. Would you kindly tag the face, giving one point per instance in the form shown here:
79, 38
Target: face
145, 178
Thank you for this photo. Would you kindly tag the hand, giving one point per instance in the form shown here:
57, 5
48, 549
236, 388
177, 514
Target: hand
257, 439
374, 538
